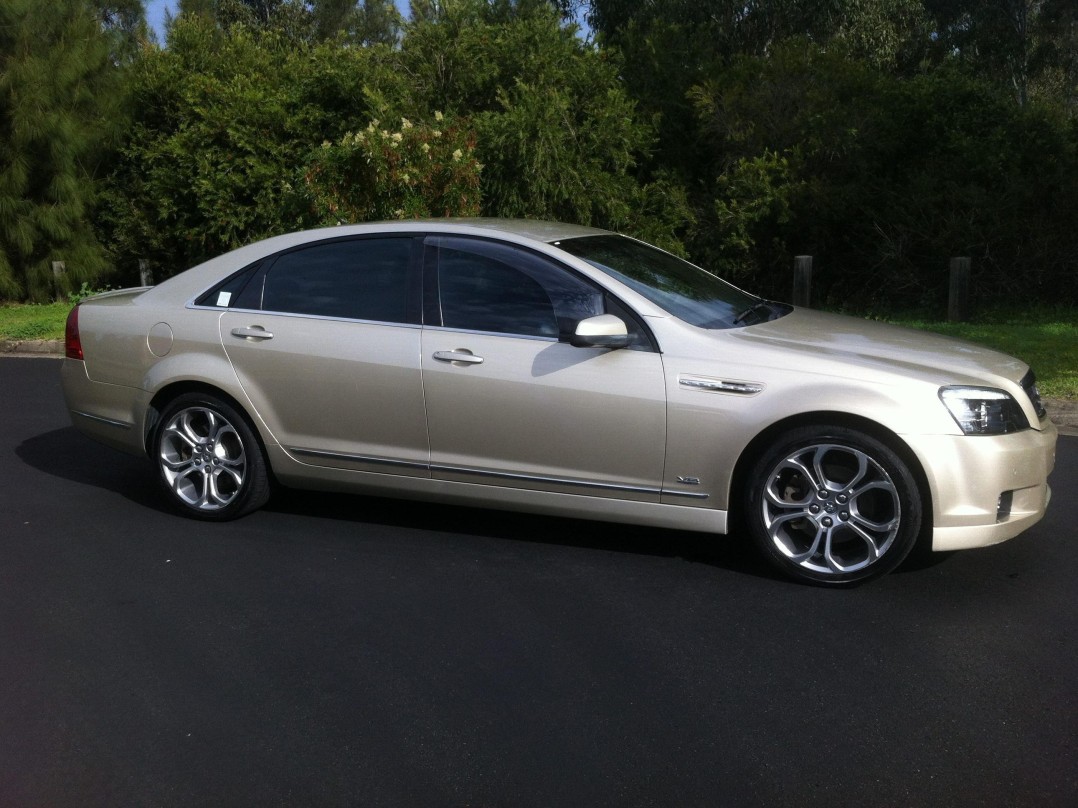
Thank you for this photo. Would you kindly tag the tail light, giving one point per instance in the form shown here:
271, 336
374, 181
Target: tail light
72, 340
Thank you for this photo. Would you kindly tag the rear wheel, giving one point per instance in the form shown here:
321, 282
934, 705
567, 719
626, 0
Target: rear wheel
209, 461
832, 505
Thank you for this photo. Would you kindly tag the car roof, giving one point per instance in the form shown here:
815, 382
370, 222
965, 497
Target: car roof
535, 229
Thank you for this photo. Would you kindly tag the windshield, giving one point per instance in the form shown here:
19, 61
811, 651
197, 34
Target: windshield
686, 291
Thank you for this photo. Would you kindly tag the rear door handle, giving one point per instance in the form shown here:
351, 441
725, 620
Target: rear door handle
461, 356
255, 332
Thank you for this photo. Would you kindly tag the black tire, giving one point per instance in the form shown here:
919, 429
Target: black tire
209, 462
832, 506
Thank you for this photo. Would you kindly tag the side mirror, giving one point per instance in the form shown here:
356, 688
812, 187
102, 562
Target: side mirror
602, 331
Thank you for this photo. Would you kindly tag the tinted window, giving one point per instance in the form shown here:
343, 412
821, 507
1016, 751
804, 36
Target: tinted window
480, 294
486, 286
358, 279
227, 292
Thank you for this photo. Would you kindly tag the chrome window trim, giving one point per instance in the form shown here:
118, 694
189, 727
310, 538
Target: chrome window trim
441, 328
304, 316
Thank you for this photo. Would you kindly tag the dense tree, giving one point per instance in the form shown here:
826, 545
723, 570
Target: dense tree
224, 123
883, 179
199, 8
57, 84
1028, 46
242, 131
359, 23
355, 22
557, 133
124, 22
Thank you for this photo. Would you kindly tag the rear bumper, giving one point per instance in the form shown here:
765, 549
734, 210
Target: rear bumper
109, 413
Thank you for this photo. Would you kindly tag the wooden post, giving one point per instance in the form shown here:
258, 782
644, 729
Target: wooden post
145, 276
58, 269
958, 299
803, 281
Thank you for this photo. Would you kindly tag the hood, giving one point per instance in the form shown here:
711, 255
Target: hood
857, 342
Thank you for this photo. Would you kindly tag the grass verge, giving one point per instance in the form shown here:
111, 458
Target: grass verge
45, 321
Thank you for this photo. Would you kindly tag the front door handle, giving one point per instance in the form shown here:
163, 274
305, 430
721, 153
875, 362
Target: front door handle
255, 332
461, 356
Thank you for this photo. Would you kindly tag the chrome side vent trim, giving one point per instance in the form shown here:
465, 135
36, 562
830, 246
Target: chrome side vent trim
720, 385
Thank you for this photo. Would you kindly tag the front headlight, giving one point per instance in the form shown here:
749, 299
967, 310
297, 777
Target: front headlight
983, 410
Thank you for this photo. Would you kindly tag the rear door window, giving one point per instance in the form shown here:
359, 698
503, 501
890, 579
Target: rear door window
354, 279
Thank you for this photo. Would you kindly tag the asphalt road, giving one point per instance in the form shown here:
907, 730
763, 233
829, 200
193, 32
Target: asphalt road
335, 650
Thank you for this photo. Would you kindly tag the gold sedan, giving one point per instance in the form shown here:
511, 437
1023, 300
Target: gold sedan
564, 370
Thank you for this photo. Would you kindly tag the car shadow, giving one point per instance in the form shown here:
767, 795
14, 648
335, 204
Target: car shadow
731, 552
69, 455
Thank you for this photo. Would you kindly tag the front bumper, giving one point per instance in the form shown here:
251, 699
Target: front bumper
986, 489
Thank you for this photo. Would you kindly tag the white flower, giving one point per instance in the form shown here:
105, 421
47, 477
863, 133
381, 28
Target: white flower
405, 123
437, 133
438, 116
326, 144
457, 154
426, 148
397, 137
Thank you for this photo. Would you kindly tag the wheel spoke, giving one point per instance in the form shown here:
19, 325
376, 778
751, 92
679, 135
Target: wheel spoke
185, 423
875, 485
813, 475
810, 553
780, 502
178, 467
878, 527
236, 476
869, 540
223, 429
188, 484
180, 434
205, 501
817, 466
214, 493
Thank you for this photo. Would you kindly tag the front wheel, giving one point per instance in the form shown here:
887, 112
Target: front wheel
832, 505
209, 461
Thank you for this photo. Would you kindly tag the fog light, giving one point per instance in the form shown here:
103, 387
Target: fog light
1003, 507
